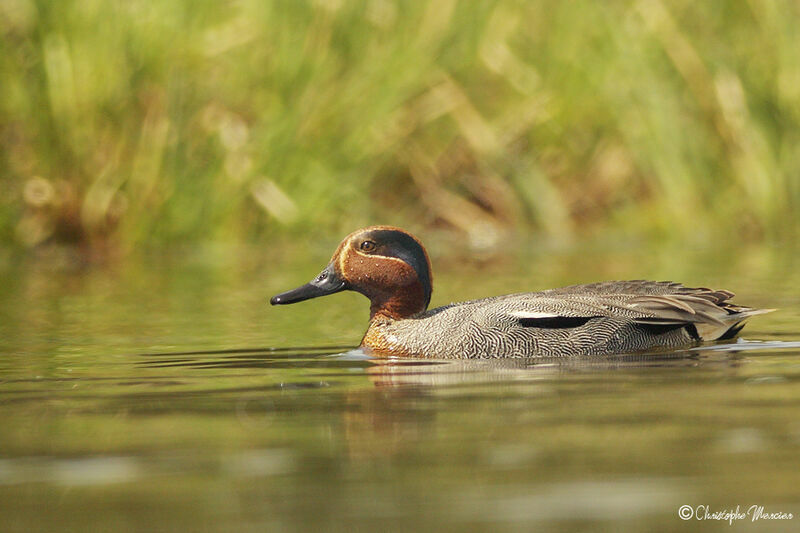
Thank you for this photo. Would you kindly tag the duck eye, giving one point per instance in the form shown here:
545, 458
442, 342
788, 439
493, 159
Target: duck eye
367, 246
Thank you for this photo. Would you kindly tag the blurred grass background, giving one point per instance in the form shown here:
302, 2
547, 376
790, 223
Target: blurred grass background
130, 122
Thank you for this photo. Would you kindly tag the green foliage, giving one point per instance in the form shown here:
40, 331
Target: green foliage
131, 121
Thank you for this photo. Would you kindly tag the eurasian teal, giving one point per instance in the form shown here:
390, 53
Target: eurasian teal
391, 267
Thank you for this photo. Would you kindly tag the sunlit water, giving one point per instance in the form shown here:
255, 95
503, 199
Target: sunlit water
163, 393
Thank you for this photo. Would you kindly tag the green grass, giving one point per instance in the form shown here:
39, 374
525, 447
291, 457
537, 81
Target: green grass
131, 122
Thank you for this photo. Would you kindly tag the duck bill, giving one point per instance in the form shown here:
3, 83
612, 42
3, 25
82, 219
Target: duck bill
328, 282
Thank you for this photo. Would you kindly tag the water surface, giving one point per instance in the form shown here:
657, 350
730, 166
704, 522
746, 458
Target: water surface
163, 393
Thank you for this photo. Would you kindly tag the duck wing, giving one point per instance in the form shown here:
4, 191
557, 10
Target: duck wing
664, 305
631, 287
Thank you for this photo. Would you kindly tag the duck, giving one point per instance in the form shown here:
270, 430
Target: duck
392, 269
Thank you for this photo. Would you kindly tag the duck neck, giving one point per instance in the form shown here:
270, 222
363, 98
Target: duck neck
399, 304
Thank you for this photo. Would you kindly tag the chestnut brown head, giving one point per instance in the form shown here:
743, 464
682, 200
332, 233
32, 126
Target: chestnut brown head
386, 264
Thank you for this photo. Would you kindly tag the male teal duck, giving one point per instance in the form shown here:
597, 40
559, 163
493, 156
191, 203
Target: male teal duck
391, 267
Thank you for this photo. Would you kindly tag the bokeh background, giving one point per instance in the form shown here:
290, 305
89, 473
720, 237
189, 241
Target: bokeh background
134, 122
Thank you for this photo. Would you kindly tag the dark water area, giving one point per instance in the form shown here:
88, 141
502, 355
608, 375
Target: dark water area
163, 393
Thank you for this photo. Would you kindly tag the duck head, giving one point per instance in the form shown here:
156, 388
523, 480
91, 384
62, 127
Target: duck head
386, 264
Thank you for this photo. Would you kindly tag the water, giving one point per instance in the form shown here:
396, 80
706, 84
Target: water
163, 393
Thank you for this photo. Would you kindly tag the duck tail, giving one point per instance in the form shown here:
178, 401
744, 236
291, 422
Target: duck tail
729, 326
